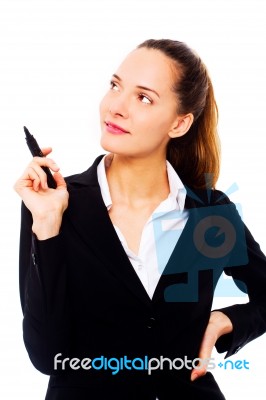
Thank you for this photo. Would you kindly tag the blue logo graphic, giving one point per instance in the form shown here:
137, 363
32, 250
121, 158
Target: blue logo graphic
211, 237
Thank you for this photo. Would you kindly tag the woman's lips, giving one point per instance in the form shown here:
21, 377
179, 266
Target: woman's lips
115, 129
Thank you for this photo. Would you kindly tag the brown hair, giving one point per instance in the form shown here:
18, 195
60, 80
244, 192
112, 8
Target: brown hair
196, 155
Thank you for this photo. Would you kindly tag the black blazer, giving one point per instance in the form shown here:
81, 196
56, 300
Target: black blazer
81, 297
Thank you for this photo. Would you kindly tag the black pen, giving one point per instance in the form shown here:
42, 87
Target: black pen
36, 152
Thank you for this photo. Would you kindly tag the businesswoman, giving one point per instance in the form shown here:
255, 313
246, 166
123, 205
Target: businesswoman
118, 264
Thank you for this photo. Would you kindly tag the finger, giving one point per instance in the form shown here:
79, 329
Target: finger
60, 182
45, 162
32, 179
37, 179
34, 176
41, 175
46, 150
198, 372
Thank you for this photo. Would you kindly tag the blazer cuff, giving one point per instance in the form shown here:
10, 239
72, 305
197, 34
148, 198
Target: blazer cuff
49, 270
232, 342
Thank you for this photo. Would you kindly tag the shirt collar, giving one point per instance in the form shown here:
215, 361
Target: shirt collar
102, 179
177, 189
176, 196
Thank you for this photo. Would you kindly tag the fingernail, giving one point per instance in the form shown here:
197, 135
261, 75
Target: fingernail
194, 377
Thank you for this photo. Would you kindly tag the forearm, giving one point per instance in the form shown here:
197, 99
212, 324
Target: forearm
45, 326
45, 309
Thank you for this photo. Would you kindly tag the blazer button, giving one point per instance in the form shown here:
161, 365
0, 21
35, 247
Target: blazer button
151, 322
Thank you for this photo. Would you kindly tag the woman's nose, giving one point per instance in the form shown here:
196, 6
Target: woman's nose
119, 106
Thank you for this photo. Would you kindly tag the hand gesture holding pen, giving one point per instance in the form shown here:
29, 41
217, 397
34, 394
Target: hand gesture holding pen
45, 204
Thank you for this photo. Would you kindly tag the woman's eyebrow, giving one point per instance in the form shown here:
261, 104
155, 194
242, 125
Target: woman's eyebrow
138, 86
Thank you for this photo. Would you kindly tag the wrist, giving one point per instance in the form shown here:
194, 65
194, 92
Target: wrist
222, 321
47, 227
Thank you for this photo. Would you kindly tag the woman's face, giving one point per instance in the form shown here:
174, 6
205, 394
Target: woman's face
140, 108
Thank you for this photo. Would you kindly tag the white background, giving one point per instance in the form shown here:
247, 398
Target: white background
56, 59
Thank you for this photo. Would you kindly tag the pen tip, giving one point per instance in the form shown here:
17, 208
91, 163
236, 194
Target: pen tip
26, 130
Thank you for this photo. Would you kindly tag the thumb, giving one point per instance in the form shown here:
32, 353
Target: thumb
205, 352
60, 182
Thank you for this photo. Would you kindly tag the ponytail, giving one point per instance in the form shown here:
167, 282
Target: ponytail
196, 155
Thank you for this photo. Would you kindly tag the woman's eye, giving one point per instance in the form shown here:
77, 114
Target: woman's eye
113, 86
145, 99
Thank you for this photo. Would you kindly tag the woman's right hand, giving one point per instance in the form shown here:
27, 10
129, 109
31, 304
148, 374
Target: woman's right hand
45, 204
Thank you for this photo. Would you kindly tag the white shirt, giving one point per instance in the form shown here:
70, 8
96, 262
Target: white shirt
160, 233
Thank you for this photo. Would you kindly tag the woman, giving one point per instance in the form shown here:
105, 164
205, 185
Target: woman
118, 264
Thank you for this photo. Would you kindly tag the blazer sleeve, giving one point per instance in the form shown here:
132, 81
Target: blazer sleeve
249, 320
43, 294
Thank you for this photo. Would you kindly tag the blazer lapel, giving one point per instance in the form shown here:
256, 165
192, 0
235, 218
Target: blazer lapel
179, 281
90, 218
180, 272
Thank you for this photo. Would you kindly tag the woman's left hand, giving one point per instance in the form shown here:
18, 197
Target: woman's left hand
219, 324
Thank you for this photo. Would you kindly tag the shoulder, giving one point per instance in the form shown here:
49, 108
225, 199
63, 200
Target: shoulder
205, 197
84, 192
85, 178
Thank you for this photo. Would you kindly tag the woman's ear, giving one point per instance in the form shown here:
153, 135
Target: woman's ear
181, 125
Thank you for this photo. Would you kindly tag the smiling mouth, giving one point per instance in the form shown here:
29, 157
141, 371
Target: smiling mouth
115, 129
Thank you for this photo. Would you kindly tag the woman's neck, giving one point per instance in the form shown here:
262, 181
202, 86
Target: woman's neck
137, 181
